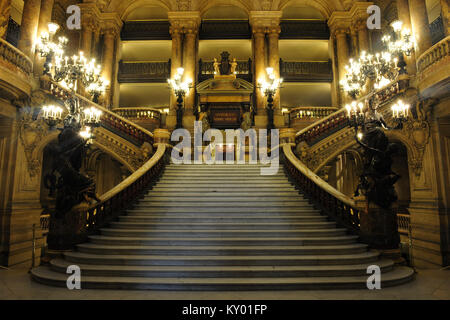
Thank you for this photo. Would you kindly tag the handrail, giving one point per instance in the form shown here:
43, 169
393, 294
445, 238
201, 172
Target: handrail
118, 198
331, 201
315, 178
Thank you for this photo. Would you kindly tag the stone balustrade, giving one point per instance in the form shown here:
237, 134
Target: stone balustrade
15, 57
435, 54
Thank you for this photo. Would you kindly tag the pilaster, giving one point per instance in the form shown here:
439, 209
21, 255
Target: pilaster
29, 26
5, 10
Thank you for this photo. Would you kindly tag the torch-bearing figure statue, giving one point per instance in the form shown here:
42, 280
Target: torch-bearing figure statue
377, 179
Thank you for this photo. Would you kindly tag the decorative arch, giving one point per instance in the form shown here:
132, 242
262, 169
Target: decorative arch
204, 5
124, 7
326, 7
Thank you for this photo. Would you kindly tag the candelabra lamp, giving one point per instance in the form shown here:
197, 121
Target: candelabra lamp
400, 43
180, 89
270, 88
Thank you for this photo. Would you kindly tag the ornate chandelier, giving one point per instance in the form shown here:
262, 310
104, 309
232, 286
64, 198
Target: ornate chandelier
69, 71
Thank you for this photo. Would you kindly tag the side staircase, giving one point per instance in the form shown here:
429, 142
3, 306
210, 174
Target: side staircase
222, 227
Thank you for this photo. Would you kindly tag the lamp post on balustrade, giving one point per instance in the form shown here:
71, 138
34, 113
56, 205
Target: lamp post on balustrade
180, 89
270, 89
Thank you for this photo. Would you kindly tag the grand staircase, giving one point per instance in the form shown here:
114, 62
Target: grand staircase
222, 227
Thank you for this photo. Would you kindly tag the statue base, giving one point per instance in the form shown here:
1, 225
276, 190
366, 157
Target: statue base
66, 232
378, 226
171, 122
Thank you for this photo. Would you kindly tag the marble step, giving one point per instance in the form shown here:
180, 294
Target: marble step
222, 225
220, 219
214, 212
60, 265
222, 199
224, 260
237, 205
211, 193
221, 250
148, 208
186, 241
223, 233
395, 277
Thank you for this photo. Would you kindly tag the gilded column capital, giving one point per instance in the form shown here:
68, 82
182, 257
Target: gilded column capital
111, 24
274, 30
187, 22
339, 20
358, 11
269, 21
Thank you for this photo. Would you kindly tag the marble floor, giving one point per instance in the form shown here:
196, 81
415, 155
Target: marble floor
428, 285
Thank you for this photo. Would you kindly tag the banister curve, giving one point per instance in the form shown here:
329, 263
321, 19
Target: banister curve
287, 149
137, 174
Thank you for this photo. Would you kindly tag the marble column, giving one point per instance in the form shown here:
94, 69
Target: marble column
96, 42
86, 39
445, 16
363, 36
189, 64
420, 25
335, 83
342, 56
45, 17
109, 40
5, 10
403, 16
29, 26
260, 73
274, 62
176, 62
354, 43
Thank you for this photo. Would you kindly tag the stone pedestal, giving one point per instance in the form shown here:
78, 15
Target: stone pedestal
278, 121
378, 226
171, 121
261, 121
69, 230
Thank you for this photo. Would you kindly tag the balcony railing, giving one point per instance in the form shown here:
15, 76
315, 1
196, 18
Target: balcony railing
13, 32
225, 29
243, 70
304, 29
435, 54
15, 57
403, 221
294, 71
437, 30
311, 112
139, 113
146, 30
338, 120
139, 72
